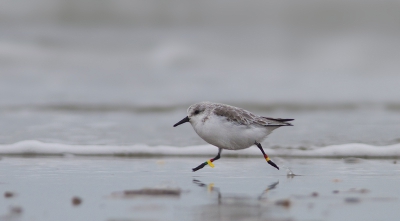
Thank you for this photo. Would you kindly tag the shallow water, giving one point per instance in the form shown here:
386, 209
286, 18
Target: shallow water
236, 189
375, 126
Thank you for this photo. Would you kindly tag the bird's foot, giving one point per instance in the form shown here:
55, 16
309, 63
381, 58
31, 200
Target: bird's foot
208, 162
271, 163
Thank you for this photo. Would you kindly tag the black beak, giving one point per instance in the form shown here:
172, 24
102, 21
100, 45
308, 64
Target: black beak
184, 120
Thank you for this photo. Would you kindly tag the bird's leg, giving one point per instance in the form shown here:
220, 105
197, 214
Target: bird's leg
209, 162
266, 156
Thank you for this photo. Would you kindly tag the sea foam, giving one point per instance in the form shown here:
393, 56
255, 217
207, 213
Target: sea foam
33, 147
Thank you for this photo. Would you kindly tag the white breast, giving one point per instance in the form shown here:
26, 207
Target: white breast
228, 135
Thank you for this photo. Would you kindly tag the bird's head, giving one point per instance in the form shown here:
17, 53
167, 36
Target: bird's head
195, 113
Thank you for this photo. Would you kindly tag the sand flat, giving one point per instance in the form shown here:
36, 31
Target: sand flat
44, 188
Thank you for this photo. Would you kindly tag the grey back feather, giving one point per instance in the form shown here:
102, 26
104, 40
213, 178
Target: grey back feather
244, 117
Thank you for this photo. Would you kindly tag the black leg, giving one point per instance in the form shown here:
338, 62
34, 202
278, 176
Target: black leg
208, 161
266, 156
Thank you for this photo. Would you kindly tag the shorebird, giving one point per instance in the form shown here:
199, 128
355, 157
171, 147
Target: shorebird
231, 128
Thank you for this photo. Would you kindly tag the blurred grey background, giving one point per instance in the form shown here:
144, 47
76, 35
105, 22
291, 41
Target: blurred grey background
174, 52
63, 62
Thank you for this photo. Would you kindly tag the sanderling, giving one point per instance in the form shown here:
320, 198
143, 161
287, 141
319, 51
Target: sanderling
231, 128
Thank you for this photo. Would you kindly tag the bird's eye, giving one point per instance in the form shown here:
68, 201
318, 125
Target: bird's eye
196, 112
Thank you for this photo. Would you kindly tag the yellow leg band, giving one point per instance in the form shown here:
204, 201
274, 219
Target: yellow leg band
210, 163
267, 159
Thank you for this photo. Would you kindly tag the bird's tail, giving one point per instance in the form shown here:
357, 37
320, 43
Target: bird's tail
280, 120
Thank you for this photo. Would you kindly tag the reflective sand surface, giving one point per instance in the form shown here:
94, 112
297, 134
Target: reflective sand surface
236, 189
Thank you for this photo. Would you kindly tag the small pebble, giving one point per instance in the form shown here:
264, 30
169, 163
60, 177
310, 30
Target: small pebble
314, 194
16, 210
8, 194
285, 203
76, 201
336, 191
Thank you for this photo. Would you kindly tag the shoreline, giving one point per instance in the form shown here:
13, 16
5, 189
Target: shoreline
153, 156
357, 150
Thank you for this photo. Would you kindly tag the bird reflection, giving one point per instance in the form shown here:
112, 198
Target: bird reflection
270, 187
211, 188
235, 207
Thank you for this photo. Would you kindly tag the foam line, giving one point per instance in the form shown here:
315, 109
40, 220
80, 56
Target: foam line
33, 147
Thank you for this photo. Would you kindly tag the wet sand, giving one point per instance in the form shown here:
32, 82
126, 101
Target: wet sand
111, 188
